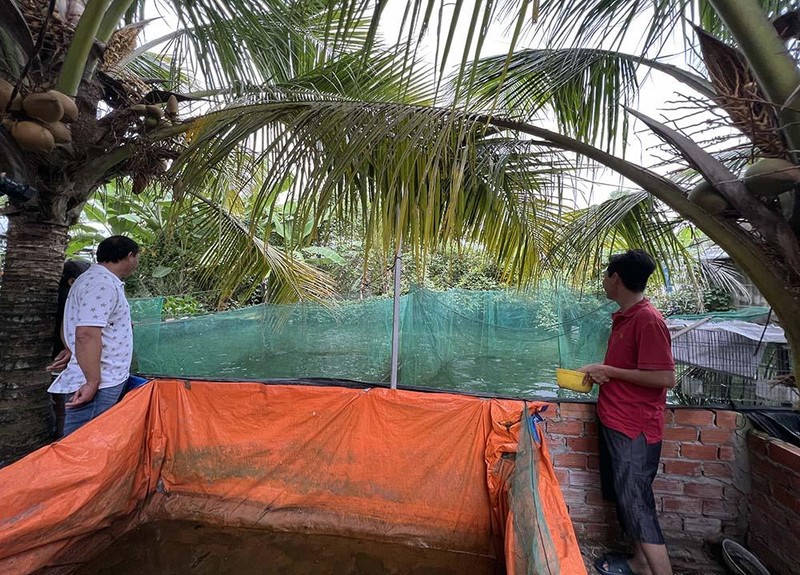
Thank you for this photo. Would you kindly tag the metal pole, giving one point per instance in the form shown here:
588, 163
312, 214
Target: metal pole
398, 266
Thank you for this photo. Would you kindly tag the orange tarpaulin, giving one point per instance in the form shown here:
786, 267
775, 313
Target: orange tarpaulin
421, 469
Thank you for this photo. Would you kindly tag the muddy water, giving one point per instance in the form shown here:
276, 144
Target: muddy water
186, 548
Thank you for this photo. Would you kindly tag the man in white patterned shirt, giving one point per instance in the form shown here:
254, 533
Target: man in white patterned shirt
98, 334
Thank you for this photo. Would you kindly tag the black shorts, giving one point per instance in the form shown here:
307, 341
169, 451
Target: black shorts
627, 470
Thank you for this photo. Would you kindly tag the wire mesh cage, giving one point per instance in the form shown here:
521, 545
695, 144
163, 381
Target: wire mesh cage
730, 363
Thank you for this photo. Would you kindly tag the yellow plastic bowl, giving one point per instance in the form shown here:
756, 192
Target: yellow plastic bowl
574, 380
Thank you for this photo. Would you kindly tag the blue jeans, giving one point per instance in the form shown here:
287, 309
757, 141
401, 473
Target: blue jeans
102, 401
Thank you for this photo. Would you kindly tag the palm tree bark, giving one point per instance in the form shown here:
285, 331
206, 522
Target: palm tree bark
28, 301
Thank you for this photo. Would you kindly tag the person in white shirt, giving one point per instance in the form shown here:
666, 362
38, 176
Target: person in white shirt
98, 335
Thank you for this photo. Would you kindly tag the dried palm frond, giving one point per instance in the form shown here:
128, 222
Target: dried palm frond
740, 96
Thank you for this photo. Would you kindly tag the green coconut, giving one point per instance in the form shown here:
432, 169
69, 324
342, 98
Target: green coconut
43, 106
153, 111
61, 132
172, 105
708, 198
770, 177
70, 108
33, 137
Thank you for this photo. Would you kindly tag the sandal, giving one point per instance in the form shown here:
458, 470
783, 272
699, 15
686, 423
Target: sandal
613, 564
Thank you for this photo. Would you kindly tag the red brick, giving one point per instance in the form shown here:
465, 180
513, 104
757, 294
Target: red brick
565, 427
556, 443
582, 411
594, 497
573, 496
716, 436
590, 429
727, 454
787, 499
671, 522
704, 490
583, 478
721, 509
699, 452
582, 444
793, 482
570, 460
669, 416
732, 493
593, 462
680, 433
694, 417
785, 454
728, 420
562, 475
682, 505
757, 442
678, 467
777, 475
702, 525
586, 513
760, 482
668, 486
717, 470
670, 449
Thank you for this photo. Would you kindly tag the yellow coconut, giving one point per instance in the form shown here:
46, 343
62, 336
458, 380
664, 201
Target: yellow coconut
708, 198
33, 137
61, 132
68, 103
771, 176
43, 106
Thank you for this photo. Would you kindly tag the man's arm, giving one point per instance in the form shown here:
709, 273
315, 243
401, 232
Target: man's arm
601, 373
88, 349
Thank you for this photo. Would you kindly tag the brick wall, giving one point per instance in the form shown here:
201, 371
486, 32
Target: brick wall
702, 483
774, 534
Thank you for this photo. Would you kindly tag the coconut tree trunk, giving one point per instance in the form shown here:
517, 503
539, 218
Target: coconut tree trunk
28, 302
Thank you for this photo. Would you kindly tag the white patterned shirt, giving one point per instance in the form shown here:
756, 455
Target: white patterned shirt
97, 299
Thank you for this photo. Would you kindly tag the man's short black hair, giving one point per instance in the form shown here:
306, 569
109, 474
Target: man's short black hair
634, 267
116, 248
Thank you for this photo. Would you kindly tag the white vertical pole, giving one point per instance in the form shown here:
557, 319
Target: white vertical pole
398, 271
398, 268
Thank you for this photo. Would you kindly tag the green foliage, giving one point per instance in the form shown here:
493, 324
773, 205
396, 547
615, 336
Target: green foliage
689, 301
182, 306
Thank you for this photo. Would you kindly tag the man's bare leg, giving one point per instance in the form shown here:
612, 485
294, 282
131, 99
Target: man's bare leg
650, 559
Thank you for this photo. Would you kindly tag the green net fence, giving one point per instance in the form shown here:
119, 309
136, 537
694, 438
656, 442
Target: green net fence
495, 342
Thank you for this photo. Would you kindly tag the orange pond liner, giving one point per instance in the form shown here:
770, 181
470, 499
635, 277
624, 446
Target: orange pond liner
431, 470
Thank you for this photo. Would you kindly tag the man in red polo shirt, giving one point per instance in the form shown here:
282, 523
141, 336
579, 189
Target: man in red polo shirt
634, 378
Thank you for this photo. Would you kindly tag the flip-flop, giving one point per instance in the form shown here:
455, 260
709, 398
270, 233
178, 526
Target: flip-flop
613, 564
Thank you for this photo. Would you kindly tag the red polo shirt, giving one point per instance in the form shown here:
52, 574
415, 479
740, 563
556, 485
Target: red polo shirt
639, 340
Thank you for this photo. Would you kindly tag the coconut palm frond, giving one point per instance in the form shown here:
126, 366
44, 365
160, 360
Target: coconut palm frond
651, 24
231, 253
232, 42
435, 175
584, 89
625, 221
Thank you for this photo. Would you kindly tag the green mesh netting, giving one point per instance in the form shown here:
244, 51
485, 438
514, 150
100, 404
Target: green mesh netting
486, 341
752, 314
